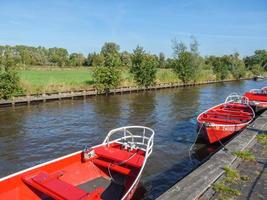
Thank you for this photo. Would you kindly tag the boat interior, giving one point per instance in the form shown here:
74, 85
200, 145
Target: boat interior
257, 95
229, 113
107, 175
106, 172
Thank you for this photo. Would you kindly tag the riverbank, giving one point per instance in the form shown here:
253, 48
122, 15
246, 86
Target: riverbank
54, 79
39, 80
201, 183
43, 97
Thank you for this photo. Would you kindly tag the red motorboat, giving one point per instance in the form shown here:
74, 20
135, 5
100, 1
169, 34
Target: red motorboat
257, 98
225, 119
108, 171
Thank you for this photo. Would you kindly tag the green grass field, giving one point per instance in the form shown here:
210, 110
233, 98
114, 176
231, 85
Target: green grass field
51, 79
63, 76
56, 79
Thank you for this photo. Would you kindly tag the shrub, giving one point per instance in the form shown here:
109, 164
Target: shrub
9, 84
186, 67
106, 78
144, 67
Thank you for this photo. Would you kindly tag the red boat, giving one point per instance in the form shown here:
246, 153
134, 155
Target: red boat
257, 98
225, 119
111, 170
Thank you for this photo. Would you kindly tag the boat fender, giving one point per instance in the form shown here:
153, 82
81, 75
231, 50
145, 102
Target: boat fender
88, 154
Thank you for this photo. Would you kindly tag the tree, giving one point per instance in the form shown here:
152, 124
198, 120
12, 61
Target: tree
194, 46
9, 83
237, 66
89, 60
257, 63
106, 78
8, 59
111, 54
257, 69
76, 59
178, 47
98, 60
162, 62
58, 56
126, 60
186, 64
185, 67
219, 66
144, 67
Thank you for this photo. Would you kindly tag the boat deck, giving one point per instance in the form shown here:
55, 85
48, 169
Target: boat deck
113, 190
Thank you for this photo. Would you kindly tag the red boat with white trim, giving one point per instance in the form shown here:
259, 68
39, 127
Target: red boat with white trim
225, 119
111, 170
257, 98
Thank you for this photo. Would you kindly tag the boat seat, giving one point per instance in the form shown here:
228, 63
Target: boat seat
112, 166
234, 112
52, 186
120, 155
231, 115
227, 121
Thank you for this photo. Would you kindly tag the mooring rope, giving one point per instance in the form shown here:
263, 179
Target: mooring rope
223, 146
191, 147
112, 178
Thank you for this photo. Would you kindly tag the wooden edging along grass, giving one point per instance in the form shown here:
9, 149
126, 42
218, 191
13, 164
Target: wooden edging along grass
38, 98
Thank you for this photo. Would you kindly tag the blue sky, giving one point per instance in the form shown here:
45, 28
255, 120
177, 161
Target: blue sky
220, 26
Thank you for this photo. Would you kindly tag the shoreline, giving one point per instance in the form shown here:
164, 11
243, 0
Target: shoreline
45, 97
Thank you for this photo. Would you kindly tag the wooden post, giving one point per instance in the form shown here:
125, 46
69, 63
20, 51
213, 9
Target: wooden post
28, 100
13, 102
84, 94
43, 95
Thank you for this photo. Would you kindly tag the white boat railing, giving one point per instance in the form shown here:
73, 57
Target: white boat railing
133, 137
235, 98
140, 137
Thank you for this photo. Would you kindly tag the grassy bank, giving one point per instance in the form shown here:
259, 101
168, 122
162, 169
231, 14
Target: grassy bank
38, 80
55, 79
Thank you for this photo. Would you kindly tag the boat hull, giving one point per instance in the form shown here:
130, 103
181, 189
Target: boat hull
257, 100
215, 133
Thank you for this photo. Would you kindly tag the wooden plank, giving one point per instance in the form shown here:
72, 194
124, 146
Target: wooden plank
197, 182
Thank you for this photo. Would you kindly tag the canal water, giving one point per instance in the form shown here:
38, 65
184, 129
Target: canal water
30, 135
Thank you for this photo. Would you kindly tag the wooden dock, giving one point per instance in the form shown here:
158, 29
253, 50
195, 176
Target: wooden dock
38, 98
195, 184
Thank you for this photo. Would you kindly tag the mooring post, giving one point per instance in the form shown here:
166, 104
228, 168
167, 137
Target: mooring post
13, 102
28, 100
84, 94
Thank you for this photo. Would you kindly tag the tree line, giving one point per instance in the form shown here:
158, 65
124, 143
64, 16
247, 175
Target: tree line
186, 62
22, 55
